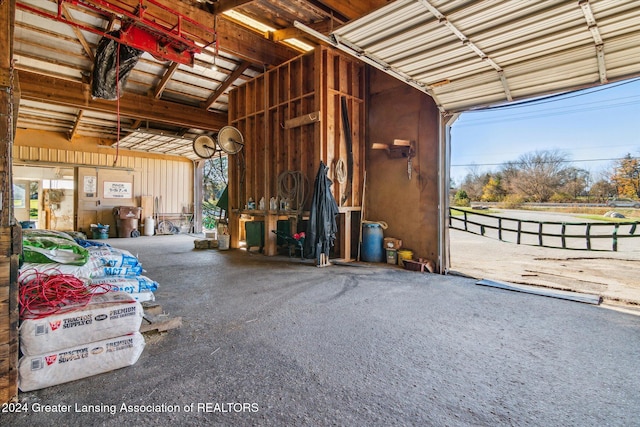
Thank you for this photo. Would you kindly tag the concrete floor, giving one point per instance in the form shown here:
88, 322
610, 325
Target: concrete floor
605, 273
277, 342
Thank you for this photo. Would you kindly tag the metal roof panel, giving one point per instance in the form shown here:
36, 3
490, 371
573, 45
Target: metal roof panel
535, 47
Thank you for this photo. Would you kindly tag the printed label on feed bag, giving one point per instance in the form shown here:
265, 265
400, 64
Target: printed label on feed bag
85, 360
109, 315
123, 312
68, 356
119, 345
112, 257
72, 322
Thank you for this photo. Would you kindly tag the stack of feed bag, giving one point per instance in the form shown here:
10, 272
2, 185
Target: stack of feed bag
57, 252
81, 342
95, 334
120, 268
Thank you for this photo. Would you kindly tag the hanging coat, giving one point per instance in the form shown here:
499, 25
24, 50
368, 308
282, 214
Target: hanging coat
322, 226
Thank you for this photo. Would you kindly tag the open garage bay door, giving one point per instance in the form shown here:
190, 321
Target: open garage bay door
476, 53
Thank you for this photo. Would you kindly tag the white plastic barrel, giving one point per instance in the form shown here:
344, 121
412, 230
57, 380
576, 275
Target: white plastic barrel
223, 242
149, 226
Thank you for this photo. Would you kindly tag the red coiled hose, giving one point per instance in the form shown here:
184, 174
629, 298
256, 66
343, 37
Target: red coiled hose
43, 293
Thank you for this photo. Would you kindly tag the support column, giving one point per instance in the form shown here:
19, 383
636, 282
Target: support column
444, 164
10, 234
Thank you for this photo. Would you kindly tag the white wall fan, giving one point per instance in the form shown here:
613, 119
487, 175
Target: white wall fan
204, 146
230, 140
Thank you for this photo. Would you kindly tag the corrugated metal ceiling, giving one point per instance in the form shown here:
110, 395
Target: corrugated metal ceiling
470, 54
48, 47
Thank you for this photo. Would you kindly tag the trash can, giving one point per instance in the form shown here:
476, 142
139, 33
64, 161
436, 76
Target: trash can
28, 224
127, 218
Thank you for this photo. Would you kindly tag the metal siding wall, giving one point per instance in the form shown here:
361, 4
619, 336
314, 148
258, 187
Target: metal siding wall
173, 180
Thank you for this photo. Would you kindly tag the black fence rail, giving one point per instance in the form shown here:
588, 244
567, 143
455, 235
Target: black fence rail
589, 236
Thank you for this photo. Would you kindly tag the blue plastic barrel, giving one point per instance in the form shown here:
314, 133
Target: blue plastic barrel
372, 247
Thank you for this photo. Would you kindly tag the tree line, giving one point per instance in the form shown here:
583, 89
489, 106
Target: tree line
547, 176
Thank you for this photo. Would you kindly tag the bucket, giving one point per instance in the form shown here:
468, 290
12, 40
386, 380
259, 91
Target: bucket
100, 234
149, 226
392, 256
100, 231
372, 235
223, 242
404, 254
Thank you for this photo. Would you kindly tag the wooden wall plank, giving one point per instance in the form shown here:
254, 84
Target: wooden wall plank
307, 84
9, 322
5, 319
6, 242
6, 389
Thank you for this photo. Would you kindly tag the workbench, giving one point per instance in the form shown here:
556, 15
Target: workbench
271, 217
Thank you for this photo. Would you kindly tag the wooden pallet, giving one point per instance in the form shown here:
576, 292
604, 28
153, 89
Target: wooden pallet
155, 320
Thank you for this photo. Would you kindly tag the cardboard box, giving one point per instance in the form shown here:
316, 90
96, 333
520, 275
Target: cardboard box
392, 243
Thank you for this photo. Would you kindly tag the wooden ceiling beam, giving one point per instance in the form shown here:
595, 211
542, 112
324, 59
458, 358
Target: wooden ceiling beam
57, 91
233, 38
251, 46
73, 131
225, 84
354, 9
157, 93
324, 27
224, 5
78, 33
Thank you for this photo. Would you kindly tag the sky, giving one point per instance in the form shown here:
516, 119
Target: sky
590, 127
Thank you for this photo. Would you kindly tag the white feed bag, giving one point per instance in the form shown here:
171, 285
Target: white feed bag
86, 271
30, 270
111, 257
144, 296
107, 315
127, 284
81, 361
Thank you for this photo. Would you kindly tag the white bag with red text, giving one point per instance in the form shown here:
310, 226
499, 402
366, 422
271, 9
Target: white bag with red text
107, 315
74, 363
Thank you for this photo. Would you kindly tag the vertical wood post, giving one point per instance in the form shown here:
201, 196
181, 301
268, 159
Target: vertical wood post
540, 234
10, 234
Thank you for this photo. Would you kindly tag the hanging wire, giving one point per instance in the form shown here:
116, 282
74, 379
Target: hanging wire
340, 171
44, 293
292, 186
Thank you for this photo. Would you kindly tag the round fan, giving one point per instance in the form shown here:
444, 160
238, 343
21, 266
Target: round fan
230, 140
204, 146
